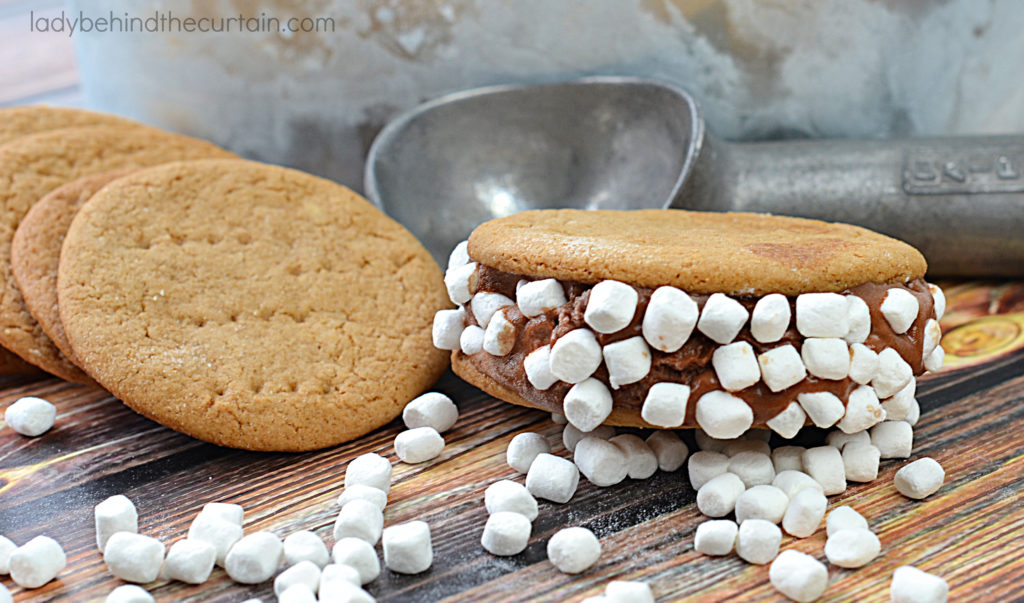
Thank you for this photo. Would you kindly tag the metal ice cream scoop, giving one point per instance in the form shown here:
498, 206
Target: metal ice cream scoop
625, 143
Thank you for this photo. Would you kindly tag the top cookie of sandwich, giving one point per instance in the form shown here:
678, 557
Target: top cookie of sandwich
699, 252
16, 122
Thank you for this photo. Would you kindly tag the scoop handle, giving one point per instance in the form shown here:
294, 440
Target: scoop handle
959, 200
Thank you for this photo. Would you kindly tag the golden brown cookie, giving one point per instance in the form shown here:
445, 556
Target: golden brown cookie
31, 167
250, 305
16, 122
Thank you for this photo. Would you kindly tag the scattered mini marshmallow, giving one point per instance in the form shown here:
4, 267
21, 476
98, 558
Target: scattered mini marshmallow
338, 572
30, 416
627, 361
863, 363
600, 461
858, 317
471, 341
789, 422
669, 320
770, 318
306, 546
826, 357
461, 282
717, 498
894, 439
189, 561
722, 415
622, 591
822, 315
860, 462
844, 518
798, 576
804, 513
706, 465
500, 335
537, 366
670, 451
825, 465
913, 413
359, 519
305, 573
552, 478
509, 496
419, 445
575, 356
506, 533
611, 306
297, 593
898, 406
129, 593
754, 468
459, 255
762, 502
7, 547
587, 404
572, 436
758, 541
852, 548
791, 481
5, 595
716, 537
911, 585
641, 463
523, 449
358, 554
432, 409
369, 470
369, 493
932, 336
934, 361
824, 408
665, 404
559, 419
900, 308
840, 439
788, 458
893, 373
115, 514
407, 548
219, 532
226, 511
537, 297
722, 318
36, 562
781, 367
485, 304
919, 479
863, 410
938, 299
736, 366
339, 591
134, 557
706, 442
447, 329
254, 558
573, 550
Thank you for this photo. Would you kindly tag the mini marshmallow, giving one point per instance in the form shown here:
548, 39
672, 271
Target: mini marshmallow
804, 513
461, 282
552, 478
115, 514
254, 558
359, 519
893, 373
717, 497
641, 462
432, 409
572, 436
706, 465
786, 458
471, 341
611, 306
758, 541
824, 408
852, 548
297, 593
407, 548
788, 422
485, 304
600, 461
189, 561
754, 468
844, 518
419, 445
5, 595
622, 591
587, 404
722, 415
537, 366
822, 315
770, 318
7, 547
134, 557
791, 482
706, 442
762, 502
826, 358
665, 404
669, 320
306, 546
840, 440
337, 572
825, 465
722, 318
340, 591
127, 593
447, 329
894, 439
934, 361
863, 363
862, 410
523, 448
573, 550
899, 307
858, 317
860, 462
506, 534
911, 585
370, 469
559, 419
913, 413
509, 496
736, 366
220, 533
575, 356
798, 576
537, 297
734, 447
938, 299
932, 336
226, 511
369, 493
670, 451
358, 554
36, 562
919, 479
305, 573
781, 367
30, 416
716, 537
627, 361
899, 404
500, 335
459, 255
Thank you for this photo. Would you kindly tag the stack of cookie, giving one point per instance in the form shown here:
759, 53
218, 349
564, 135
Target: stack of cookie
244, 304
